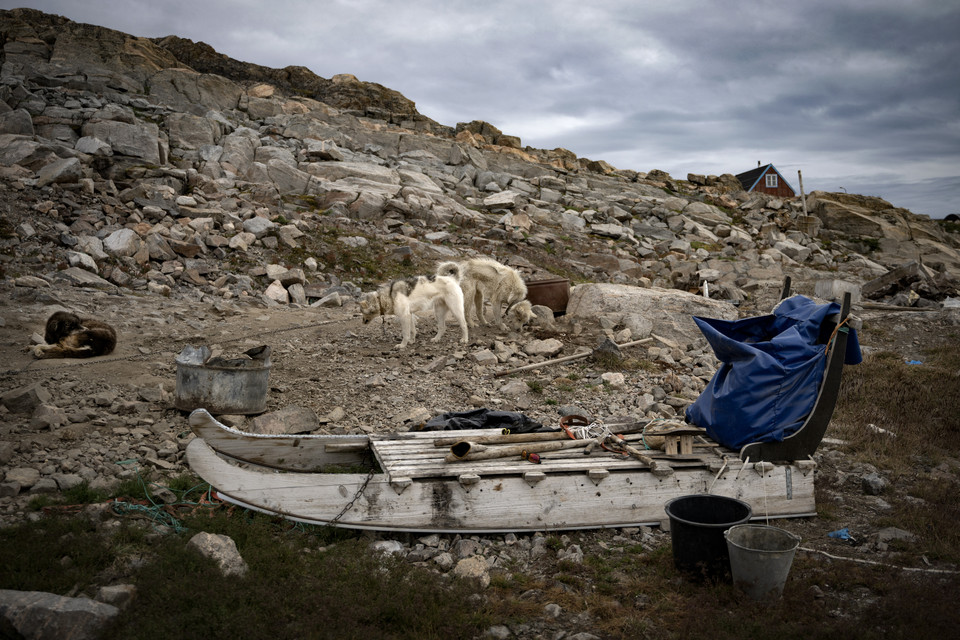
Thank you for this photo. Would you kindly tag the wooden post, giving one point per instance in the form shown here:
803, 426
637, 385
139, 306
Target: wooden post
576, 356
803, 198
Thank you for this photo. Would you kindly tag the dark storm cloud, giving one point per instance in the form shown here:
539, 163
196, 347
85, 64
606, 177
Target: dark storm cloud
863, 91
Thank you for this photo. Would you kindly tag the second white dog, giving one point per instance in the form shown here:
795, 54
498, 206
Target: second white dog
407, 297
485, 279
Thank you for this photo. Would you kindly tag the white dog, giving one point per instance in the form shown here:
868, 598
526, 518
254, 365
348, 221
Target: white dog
407, 297
485, 279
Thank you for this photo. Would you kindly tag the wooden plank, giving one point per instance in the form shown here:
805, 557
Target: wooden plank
292, 452
419, 459
498, 504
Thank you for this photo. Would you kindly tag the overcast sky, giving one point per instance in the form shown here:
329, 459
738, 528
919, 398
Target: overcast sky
860, 95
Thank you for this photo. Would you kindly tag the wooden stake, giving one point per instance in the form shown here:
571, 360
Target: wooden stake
472, 451
803, 198
576, 356
511, 438
466, 450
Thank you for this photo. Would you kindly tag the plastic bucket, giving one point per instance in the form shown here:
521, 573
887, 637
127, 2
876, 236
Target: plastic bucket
697, 523
760, 558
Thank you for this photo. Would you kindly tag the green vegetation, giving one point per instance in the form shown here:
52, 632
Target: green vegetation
867, 244
950, 226
709, 246
915, 405
314, 581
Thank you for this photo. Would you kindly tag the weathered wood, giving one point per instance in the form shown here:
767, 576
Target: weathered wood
472, 451
538, 436
803, 198
576, 356
898, 277
678, 444
495, 503
290, 453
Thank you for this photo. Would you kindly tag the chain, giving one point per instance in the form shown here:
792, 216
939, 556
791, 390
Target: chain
82, 363
356, 497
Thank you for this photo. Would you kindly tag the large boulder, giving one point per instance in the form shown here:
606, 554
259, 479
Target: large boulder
138, 140
670, 311
187, 131
193, 92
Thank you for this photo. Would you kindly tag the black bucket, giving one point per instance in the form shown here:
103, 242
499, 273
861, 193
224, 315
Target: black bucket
697, 523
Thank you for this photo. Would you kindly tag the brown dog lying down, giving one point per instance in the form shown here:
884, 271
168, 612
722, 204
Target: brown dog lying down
70, 336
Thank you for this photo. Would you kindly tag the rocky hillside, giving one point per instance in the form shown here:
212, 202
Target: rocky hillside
161, 164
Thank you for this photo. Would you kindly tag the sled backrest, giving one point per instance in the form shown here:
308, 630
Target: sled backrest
802, 443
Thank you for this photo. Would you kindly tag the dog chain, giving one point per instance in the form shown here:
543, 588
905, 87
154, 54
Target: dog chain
83, 363
356, 497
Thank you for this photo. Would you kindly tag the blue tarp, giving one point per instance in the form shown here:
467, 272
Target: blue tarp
770, 374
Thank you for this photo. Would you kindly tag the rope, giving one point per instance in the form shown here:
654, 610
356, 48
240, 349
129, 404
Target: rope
719, 473
656, 422
837, 328
159, 513
763, 483
881, 564
591, 431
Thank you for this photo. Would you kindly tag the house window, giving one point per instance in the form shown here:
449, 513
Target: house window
771, 180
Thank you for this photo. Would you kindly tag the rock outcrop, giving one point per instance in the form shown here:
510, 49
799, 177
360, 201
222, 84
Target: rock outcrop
178, 157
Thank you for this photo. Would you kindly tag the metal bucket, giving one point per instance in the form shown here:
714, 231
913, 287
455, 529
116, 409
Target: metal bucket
222, 386
760, 558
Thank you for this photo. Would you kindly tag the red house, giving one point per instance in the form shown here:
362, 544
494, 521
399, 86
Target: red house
766, 180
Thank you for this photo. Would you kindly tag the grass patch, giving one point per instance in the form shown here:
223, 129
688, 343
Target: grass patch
916, 406
302, 581
918, 403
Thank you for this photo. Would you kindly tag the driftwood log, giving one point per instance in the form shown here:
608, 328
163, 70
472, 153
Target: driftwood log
467, 450
576, 356
537, 436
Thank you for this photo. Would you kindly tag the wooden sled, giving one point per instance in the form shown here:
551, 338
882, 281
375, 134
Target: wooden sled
406, 481
802, 443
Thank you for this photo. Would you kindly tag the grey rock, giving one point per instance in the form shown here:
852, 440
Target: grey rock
292, 420
388, 547
890, 534
673, 309
874, 484
45, 616
25, 399
140, 140
47, 416
223, 550
258, 226
548, 347
118, 595
82, 260
60, 171
122, 242
25, 477
93, 146
473, 568
17, 122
